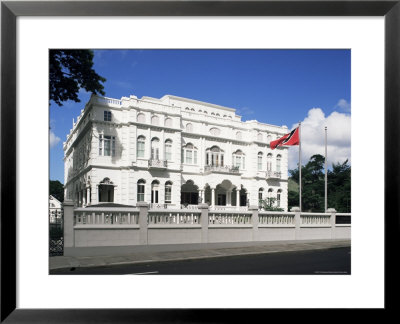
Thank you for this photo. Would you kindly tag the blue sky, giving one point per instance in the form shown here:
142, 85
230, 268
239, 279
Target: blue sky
280, 87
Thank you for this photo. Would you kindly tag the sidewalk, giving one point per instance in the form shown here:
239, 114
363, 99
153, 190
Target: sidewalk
104, 256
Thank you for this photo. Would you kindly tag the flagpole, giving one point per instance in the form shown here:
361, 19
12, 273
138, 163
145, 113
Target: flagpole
300, 166
326, 172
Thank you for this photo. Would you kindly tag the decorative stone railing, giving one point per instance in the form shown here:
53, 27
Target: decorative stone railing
273, 175
276, 219
108, 101
158, 163
106, 216
229, 208
222, 169
315, 219
118, 226
229, 218
173, 217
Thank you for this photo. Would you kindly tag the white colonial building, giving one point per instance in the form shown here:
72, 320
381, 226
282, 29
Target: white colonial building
172, 152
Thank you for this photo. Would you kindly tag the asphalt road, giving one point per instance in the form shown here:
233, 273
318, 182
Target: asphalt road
335, 261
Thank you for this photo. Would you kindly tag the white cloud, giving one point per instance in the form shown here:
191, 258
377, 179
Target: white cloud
313, 138
343, 105
53, 139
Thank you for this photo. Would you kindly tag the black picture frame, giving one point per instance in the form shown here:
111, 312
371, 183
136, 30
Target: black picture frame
10, 10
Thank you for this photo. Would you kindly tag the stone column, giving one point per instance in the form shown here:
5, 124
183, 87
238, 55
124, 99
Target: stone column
212, 197
143, 213
69, 234
332, 211
204, 222
254, 221
296, 222
229, 197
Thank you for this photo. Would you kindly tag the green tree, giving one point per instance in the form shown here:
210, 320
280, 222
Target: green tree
313, 186
268, 204
56, 189
339, 187
71, 70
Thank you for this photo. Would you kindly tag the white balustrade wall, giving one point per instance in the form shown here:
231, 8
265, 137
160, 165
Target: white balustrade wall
122, 226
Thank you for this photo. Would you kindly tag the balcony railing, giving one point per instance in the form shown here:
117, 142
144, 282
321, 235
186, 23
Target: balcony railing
160, 164
273, 175
222, 169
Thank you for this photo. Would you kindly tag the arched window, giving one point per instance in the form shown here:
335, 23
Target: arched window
200, 111
217, 114
278, 197
260, 194
141, 143
155, 149
259, 161
192, 109
212, 114
155, 120
259, 137
141, 118
189, 154
155, 185
140, 190
215, 131
239, 135
205, 112
168, 122
168, 192
187, 108
270, 191
168, 150
215, 156
189, 127
238, 159
278, 163
269, 162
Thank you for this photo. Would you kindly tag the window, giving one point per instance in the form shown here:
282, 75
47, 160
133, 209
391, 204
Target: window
259, 161
190, 154
260, 194
140, 190
168, 150
238, 159
168, 192
278, 163
215, 131
141, 141
239, 135
154, 120
278, 198
259, 137
106, 145
168, 122
141, 118
189, 127
154, 191
107, 115
215, 156
155, 149
269, 162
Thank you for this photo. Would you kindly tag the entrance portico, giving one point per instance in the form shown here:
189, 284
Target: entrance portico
225, 194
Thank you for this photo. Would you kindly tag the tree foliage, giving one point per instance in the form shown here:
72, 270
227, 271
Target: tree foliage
268, 204
71, 70
313, 186
56, 189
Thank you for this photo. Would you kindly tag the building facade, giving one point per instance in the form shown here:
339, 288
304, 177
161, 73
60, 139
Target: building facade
172, 152
55, 210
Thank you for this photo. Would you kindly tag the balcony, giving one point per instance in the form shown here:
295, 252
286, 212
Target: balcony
273, 175
221, 169
158, 164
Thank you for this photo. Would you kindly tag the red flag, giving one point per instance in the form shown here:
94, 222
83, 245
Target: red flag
289, 139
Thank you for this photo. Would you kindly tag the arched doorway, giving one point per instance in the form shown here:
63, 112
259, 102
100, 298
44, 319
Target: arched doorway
106, 190
155, 187
189, 193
